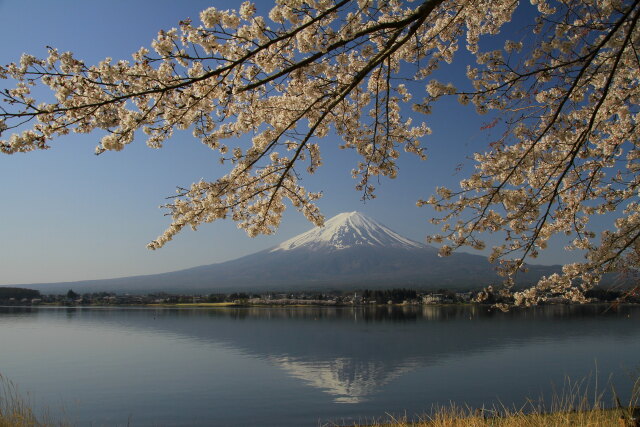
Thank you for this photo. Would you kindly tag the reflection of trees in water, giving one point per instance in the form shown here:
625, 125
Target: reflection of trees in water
411, 313
350, 353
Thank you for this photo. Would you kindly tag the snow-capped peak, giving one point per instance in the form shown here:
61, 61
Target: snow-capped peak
347, 230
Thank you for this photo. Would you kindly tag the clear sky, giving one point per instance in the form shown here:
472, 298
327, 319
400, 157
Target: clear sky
70, 215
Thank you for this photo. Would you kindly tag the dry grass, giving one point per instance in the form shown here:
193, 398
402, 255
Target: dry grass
457, 417
16, 411
573, 407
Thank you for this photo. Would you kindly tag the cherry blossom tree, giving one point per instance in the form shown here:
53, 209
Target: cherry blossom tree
566, 94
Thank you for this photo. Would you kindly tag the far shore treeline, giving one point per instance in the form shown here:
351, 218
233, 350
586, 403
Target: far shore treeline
24, 296
18, 293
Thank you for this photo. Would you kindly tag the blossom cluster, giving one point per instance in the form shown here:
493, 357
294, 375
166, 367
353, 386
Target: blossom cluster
569, 151
312, 66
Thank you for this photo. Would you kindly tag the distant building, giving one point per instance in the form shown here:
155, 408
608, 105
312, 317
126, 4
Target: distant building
432, 299
464, 296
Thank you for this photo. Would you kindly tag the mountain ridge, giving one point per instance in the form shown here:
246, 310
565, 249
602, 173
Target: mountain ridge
351, 251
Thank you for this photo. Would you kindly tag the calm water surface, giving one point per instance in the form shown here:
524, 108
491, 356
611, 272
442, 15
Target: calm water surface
305, 366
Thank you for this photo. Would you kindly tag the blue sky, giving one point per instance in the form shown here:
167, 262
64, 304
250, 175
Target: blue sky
70, 215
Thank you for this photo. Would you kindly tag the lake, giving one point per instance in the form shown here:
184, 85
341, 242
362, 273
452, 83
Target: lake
306, 366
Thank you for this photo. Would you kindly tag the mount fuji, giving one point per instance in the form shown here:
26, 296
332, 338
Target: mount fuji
351, 251
345, 231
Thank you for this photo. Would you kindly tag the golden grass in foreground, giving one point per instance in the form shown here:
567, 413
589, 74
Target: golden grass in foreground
462, 418
571, 408
15, 411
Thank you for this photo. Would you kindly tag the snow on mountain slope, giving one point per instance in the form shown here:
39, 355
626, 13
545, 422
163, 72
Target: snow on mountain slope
348, 230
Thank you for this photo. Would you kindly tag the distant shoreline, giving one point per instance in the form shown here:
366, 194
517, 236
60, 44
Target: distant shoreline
188, 306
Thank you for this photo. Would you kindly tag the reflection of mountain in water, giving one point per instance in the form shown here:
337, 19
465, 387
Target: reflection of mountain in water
348, 379
352, 353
